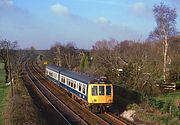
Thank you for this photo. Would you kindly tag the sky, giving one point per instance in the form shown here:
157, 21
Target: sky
42, 23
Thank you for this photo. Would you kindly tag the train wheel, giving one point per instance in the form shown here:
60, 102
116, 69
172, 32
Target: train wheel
101, 109
104, 108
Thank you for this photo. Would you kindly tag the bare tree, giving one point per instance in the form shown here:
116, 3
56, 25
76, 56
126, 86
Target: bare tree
17, 57
6, 47
57, 54
65, 55
106, 59
166, 20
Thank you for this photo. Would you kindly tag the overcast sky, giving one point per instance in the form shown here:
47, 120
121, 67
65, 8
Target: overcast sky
42, 23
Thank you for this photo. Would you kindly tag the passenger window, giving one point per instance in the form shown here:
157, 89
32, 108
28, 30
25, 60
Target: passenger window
61, 79
84, 89
71, 84
55, 75
75, 85
108, 90
51, 74
101, 90
79, 87
94, 91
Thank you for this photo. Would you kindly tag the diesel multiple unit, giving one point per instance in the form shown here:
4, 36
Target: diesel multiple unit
92, 92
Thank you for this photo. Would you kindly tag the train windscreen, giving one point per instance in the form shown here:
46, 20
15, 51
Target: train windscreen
94, 91
108, 90
101, 90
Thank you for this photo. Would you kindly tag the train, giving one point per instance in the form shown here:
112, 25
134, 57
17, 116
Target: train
95, 93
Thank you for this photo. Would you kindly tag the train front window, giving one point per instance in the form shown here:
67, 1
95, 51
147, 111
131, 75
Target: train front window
101, 90
108, 90
94, 91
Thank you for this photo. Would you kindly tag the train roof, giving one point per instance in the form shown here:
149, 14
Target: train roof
74, 75
55, 68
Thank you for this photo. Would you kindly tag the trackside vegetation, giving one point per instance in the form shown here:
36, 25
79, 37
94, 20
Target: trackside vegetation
3, 91
169, 107
22, 108
13, 111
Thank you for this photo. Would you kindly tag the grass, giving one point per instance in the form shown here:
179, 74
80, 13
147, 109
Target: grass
163, 104
18, 110
3, 91
158, 111
169, 97
2, 73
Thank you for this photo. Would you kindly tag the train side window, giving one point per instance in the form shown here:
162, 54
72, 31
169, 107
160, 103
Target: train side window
59, 77
84, 89
51, 74
94, 91
74, 85
69, 83
108, 90
55, 75
62, 79
79, 87
101, 90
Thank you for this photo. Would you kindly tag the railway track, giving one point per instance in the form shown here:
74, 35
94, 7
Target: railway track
43, 104
114, 120
69, 117
109, 117
72, 112
53, 95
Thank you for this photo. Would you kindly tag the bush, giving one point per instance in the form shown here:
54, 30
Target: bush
164, 107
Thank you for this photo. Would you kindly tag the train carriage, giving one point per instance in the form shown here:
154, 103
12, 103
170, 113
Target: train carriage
96, 93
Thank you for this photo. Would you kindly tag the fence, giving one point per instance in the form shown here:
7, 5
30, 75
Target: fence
168, 87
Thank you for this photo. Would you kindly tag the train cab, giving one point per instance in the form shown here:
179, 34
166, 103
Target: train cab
100, 93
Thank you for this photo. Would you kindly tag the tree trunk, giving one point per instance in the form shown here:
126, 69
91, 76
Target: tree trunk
7, 72
165, 58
